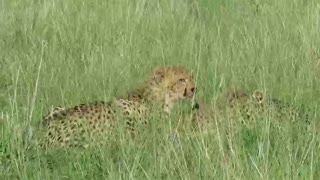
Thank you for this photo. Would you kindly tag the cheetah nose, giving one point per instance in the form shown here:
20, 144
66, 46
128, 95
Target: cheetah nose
193, 90
196, 106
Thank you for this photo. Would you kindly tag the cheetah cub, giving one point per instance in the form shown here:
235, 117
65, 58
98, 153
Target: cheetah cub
228, 109
237, 107
93, 122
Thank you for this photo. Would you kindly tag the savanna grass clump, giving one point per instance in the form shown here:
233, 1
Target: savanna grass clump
71, 52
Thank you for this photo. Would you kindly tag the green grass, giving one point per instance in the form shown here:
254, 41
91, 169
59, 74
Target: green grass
68, 52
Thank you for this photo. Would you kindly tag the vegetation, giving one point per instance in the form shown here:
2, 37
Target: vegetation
68, 52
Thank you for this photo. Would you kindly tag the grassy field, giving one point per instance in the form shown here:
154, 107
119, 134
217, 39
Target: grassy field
65, 52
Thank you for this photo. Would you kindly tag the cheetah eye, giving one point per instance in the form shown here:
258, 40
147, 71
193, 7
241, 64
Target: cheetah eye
182, 80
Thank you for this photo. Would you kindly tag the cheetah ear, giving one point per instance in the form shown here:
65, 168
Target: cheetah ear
258, 95
159, 74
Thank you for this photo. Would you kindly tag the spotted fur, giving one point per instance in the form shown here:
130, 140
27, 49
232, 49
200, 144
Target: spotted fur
94, 122
239, 106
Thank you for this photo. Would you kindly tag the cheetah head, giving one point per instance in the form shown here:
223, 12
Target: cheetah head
236, 98
170, 84
258, 97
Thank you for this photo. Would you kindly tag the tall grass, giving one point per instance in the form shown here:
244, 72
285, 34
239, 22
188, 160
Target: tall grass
68, 52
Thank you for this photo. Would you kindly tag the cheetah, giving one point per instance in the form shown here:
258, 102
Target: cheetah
230, 105
244, 108
279, 118
94, 122
240, 103
230, 108
53, 114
